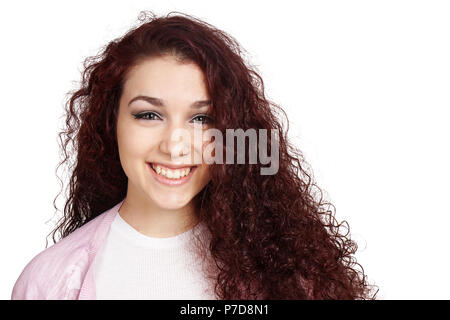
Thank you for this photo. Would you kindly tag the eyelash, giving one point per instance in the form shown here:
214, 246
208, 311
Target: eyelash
142, 115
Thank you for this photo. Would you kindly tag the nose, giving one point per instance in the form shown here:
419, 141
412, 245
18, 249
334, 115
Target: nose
176, 142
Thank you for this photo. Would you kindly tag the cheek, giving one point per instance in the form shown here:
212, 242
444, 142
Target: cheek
133, 141
200, 149
128, 145
204, 174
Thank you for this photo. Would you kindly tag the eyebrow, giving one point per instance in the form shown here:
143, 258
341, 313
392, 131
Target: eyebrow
160, 103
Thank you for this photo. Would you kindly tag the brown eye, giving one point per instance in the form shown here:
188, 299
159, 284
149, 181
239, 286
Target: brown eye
147, 116
203, 119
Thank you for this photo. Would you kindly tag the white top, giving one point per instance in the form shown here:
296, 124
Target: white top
131, 265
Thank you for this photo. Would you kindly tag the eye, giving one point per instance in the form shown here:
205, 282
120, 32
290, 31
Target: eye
146, 116
203, 118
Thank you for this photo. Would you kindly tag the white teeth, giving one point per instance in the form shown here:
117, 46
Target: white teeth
171, 174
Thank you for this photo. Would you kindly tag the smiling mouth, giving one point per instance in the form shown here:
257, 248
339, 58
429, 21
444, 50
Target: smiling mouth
170, 173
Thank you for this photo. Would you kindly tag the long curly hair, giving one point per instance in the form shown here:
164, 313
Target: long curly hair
272, 236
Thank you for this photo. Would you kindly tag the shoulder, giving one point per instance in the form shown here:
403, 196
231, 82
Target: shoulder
47, 274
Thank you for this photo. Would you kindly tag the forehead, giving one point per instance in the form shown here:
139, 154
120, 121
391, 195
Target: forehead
166, 77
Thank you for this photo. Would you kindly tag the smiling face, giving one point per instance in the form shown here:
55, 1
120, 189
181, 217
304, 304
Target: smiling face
161, 95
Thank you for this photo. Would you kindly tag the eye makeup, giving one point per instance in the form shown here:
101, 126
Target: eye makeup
151, 115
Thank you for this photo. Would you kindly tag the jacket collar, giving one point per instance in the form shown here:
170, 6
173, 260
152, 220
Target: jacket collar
87, 290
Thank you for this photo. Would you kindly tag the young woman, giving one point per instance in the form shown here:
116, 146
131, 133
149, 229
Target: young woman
140, 224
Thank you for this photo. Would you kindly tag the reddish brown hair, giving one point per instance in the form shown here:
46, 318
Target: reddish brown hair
272, 235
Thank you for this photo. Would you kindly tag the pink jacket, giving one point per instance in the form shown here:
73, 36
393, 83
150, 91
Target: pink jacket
65, 270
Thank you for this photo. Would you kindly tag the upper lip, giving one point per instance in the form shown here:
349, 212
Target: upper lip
171, 166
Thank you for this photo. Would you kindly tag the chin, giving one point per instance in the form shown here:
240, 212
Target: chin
172, 202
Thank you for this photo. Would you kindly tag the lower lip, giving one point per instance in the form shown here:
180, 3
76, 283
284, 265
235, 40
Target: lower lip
171, 182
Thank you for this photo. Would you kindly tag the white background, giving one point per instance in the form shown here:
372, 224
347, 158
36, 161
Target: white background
366, 86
